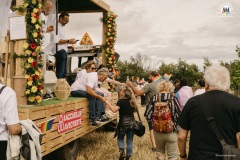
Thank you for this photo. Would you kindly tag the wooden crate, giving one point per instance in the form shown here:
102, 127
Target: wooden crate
51, 139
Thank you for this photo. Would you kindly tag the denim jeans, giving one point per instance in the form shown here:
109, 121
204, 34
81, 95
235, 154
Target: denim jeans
100, 105
61, 63
130, 135
94, 104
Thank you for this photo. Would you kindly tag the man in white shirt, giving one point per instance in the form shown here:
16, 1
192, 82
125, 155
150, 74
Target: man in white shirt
9, 121
88, 90
61, 54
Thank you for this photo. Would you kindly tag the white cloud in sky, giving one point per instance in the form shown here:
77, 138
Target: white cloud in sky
167, 30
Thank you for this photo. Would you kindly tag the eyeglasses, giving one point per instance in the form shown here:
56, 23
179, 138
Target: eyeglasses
93, 68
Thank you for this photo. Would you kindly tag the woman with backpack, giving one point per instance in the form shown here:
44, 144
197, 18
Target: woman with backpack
167, 111
126, 106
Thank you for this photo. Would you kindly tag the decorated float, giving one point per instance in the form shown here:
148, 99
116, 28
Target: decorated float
62, 122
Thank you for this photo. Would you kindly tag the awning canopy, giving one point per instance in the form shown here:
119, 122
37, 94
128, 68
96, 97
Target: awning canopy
82, 6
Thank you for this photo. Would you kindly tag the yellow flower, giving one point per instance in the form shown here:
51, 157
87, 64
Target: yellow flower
110, 59
38, 48
27, 65
26, 4
33, 20
34, 2
40, 21
109, 26
34, 89
29, 83
39, 101
30, 60
39, 5
27, 91
34, 34
37, 73
41, 91
27, 76
28, 52
108, 33
37, 26
35, 10
25, 46
31, 99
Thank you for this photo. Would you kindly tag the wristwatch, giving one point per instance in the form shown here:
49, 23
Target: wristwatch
184, 156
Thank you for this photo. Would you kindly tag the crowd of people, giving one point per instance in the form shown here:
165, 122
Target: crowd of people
185, 109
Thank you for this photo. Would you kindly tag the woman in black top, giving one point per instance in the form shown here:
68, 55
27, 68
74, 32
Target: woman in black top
126, 107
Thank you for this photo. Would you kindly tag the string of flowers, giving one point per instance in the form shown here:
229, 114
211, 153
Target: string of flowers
32, 48
111, 36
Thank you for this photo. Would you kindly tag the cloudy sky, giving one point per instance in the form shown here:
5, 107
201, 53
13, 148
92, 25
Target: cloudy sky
168, 30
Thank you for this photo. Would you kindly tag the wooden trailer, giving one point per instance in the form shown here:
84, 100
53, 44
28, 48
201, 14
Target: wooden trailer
52, 139
57, 137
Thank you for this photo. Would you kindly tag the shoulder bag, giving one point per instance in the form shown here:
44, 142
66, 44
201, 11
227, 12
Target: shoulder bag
138, 127
229, 152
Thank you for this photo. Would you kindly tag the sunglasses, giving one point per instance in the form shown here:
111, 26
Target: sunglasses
93, 68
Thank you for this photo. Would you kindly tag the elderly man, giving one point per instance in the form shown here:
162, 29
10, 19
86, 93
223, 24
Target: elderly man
9, 121
225, 109
87, 88
61, 55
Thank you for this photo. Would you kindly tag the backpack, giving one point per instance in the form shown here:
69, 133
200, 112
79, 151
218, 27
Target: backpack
162, 118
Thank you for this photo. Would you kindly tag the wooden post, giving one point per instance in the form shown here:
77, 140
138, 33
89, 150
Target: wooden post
11, 63
6, 61
104, 62
19, 81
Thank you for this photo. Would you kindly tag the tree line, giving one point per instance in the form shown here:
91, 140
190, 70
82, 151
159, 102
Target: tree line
140, 65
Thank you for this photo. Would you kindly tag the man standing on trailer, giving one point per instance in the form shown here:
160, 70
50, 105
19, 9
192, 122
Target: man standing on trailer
62, 47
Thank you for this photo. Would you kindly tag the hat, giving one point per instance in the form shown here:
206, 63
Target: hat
167, 76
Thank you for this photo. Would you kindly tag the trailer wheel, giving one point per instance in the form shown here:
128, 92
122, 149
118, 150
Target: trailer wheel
69, 151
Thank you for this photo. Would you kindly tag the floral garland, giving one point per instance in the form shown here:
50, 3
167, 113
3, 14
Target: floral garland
32, 49
111, 36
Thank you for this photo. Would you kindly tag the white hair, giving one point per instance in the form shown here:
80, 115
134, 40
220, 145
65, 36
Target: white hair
217, 77
103, 71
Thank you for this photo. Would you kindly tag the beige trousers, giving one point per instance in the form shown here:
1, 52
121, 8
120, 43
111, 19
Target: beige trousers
166, 143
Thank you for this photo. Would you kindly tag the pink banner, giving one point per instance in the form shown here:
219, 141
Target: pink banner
69, 120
